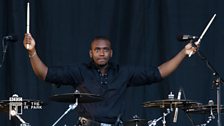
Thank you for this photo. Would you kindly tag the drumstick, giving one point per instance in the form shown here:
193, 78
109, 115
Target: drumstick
203, 33
28, 22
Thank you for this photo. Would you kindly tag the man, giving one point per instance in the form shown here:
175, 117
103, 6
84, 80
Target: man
102, 77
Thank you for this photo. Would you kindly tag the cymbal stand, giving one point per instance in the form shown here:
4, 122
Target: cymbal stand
154, 122
210, 118
217, 81
71, 107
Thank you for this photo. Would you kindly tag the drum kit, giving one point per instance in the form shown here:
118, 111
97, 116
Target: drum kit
170, 104
188, 106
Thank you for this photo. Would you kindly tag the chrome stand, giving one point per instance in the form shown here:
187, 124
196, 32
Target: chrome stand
71, 107
154, 122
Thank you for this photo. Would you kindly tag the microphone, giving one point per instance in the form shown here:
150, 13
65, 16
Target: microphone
186, 37
176, 110
10, 38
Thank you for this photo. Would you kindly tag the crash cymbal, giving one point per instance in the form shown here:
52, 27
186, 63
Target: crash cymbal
71, 97
26, 104
205, 109
170, 103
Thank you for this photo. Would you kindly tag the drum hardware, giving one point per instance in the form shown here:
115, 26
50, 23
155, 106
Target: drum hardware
71, 107
170, 105
217, 81
154, 122
136, 121
76, 97
176, 109
119, 122
210, 109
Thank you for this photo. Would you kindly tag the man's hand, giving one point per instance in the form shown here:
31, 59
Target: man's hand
28, 40
29, 44
190, 49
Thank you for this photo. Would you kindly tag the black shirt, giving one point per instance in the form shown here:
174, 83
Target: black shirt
112, 86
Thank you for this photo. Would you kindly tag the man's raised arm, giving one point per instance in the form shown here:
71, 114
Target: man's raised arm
171, 65
39, 68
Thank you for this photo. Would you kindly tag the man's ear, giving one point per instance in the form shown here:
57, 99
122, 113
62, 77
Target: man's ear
90, 53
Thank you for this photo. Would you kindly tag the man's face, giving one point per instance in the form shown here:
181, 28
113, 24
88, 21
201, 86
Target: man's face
100, 52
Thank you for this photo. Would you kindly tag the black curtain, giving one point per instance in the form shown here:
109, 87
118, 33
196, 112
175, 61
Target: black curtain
143, 32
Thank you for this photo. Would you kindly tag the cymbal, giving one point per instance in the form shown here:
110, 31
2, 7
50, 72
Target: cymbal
136, 122
205, 109
26, 103
71, 97
170, 103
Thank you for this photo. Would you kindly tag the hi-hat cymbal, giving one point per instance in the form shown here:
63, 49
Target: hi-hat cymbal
170, 103
71, 97
26, 103
205, 109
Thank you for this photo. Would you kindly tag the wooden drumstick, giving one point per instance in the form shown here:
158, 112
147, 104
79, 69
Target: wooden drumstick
203, 33
28, 22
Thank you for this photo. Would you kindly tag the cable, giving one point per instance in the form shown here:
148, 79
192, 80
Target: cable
4, 49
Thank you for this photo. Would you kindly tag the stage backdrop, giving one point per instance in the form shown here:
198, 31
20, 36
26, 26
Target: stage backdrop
143, 32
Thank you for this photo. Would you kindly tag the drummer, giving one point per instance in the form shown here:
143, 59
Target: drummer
102, 77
